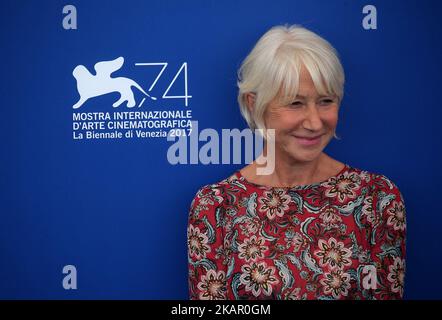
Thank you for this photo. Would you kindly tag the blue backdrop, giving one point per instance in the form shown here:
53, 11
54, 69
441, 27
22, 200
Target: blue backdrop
116, 209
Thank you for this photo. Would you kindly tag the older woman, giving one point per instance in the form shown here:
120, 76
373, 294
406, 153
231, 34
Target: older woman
315, 227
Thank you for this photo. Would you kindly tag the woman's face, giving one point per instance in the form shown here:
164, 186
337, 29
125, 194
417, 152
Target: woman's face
304, 127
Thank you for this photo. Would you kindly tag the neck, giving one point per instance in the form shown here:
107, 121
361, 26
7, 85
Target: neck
288, 172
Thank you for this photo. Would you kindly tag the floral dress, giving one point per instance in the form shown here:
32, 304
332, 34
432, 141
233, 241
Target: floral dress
343, 238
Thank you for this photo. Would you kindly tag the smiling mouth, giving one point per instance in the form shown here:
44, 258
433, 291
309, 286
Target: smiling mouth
309, 138
307, 141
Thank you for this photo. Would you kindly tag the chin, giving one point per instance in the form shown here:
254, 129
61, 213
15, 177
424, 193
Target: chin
300, 157
303, 155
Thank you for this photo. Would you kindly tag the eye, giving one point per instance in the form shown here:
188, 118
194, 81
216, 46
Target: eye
296, 104
326, 101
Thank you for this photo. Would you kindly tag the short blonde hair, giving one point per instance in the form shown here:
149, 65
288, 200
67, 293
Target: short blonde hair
274, 65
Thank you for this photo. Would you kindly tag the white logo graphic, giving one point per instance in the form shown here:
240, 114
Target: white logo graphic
370, 280
70, 20
90, 86
370, 20
70, 280
135, 123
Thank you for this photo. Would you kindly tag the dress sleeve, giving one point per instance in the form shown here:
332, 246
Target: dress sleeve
205, 238
388, 239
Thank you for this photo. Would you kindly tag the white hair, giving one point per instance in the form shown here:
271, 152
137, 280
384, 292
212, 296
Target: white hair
273, 67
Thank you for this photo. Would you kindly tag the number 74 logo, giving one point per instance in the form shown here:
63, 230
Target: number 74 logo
183, 68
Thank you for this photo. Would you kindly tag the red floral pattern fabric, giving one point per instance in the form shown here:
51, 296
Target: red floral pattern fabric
343, 238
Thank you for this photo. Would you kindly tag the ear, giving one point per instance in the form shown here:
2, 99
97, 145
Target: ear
250, 98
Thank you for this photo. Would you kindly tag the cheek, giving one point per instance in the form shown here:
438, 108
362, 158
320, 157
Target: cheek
272, 118
331, 122
330, 118
285, 122
282, 120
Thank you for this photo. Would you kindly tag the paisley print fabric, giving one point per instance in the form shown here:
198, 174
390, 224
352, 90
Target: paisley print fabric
343, 238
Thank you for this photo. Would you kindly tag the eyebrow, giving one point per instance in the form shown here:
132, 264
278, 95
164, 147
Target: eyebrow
320, 96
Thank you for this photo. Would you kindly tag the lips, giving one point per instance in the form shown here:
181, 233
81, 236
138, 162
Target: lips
308, 141
308, 138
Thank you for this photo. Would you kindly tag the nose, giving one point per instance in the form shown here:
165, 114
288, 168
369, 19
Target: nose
312, 120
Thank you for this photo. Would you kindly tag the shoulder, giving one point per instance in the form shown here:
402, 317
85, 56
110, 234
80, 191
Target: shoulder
388, 203
380, 195
388, 200
212, 195
384, 201
377, 182
384, 188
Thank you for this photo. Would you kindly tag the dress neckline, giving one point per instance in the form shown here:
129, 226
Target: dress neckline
240, 177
